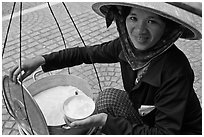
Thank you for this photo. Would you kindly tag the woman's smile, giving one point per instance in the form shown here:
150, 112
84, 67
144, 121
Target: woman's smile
144, 28
142, 39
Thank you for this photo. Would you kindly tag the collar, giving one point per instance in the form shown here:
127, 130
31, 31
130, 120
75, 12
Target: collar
153, 74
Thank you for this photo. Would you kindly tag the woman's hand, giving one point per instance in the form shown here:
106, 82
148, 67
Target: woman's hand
28, 67
96, 120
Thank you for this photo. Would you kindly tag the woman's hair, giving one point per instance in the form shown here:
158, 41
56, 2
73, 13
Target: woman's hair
125, 11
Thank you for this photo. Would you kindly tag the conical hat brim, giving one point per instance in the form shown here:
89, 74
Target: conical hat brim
187, 19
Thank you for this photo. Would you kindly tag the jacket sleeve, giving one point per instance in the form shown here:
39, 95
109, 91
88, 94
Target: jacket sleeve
121, 126
170, 100
102, 53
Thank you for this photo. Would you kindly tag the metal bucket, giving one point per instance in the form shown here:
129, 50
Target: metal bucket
36, 96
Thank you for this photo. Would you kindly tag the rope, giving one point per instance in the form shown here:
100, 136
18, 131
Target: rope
21, 83
8, 29
58, 28
4, 46
83, 44
6, 101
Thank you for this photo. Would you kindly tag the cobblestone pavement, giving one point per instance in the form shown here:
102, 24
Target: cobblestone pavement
7, 6
40, 35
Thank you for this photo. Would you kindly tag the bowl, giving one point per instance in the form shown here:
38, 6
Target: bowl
78, 107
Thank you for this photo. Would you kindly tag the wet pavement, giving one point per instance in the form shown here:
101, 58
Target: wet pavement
40, 35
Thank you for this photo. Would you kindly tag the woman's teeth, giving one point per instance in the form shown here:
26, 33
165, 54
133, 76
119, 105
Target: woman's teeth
141, 39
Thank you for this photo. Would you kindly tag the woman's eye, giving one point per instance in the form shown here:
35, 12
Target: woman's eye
151, 21
133, 18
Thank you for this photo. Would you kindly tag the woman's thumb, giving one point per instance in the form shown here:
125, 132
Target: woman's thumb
74, 124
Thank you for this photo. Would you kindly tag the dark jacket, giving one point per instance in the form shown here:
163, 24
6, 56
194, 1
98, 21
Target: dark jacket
168, 85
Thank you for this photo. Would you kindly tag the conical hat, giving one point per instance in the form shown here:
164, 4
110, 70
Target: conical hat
187, 19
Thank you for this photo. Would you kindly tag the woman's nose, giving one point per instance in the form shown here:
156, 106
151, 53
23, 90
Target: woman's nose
141, 27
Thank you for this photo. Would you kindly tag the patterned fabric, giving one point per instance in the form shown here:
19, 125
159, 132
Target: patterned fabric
116, 102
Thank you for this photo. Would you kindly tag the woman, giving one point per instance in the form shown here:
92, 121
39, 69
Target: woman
156, 74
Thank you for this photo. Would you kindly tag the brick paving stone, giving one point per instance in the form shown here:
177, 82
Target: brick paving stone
9, 53
41, 51
17, 56
6, 131
75, 42
114, 78
7, 6
8, 65
5, 117
52, 46
58, 48
14, 132
32, 44
111, 74
49, 42
35, 33
30, 50
31, 55
93, 40
9, 48
42, 40
108, 78
12, 42
102, 78
5, 60
9, 124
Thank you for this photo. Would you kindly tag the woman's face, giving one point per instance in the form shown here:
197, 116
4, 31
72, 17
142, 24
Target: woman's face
144, 28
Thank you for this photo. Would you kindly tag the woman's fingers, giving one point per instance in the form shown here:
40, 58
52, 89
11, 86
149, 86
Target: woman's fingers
24, 75
88, 122
96, 120
11, 71
14, 73
66, 121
